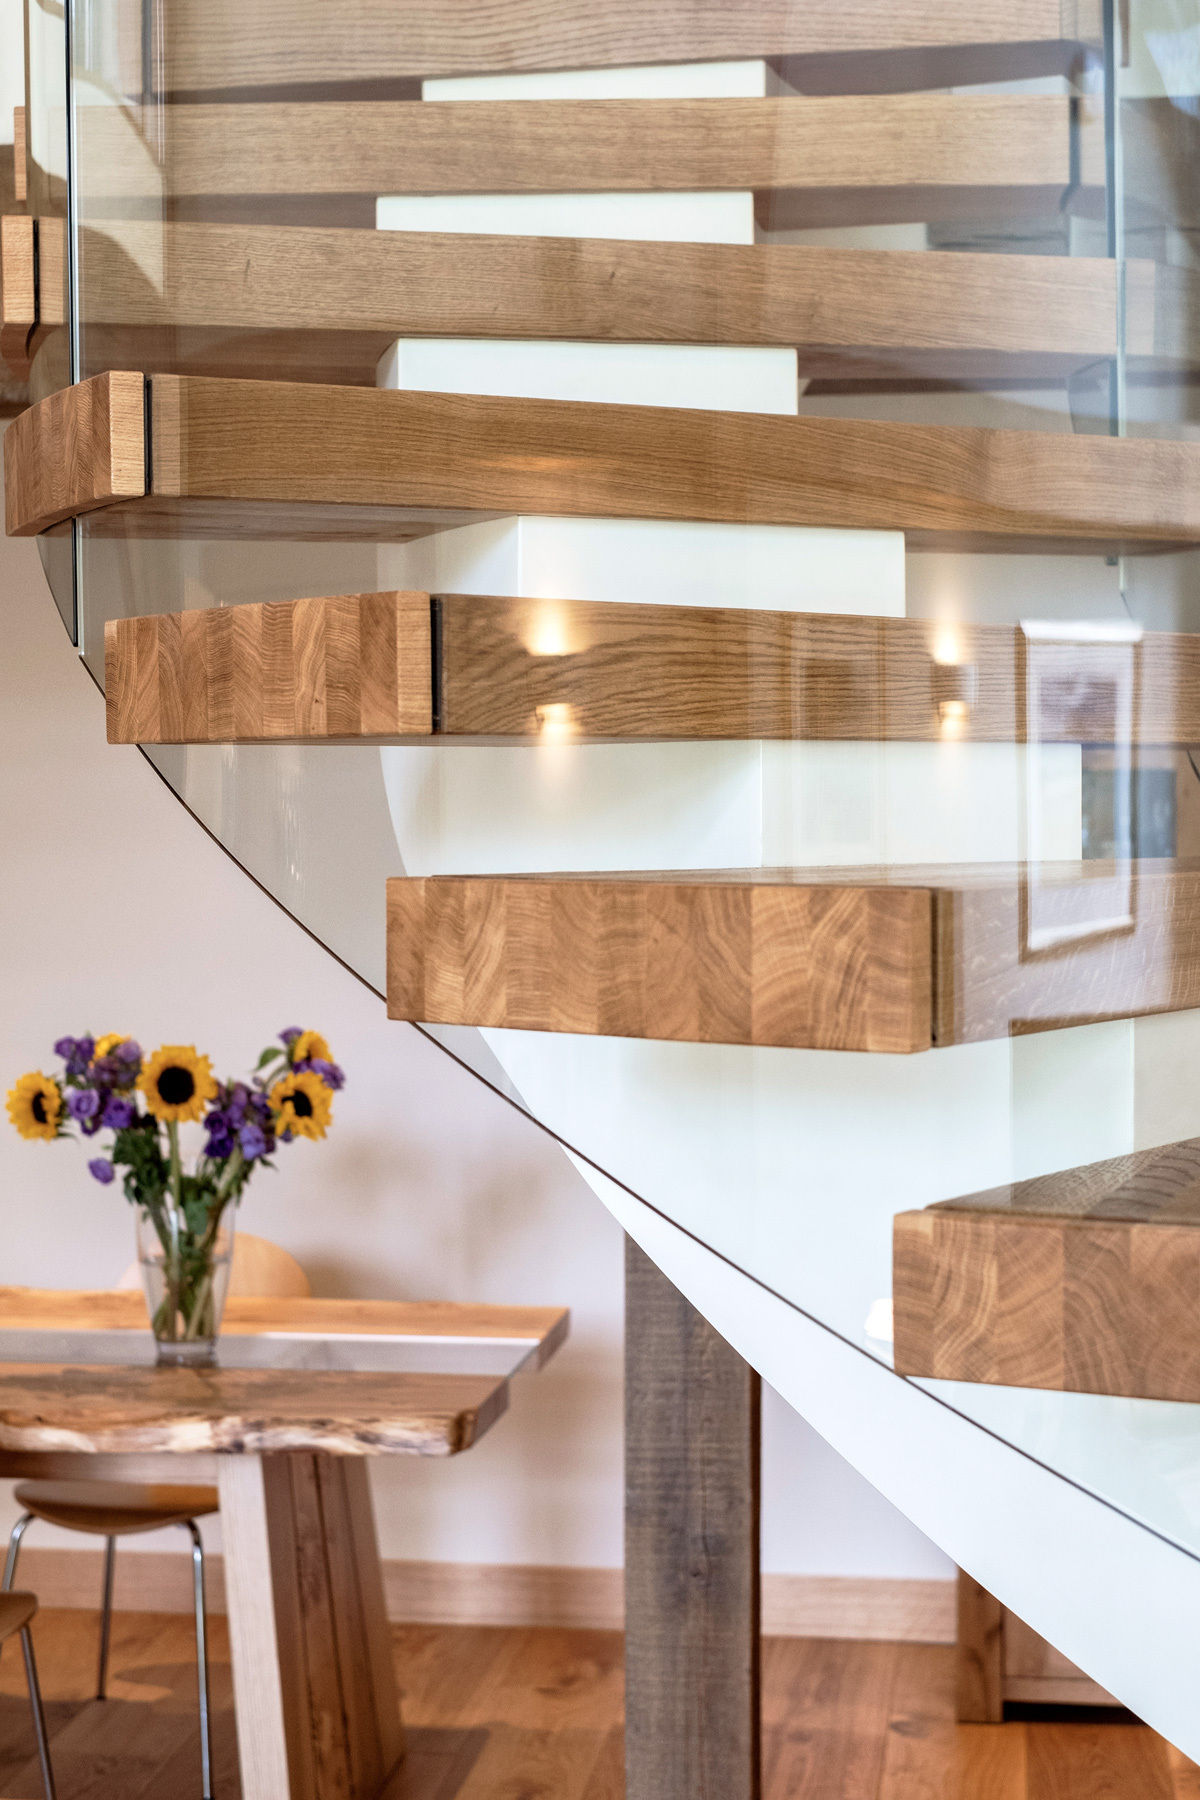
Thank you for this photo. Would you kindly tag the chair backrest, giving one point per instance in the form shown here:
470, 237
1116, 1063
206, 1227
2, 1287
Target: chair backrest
261, 1271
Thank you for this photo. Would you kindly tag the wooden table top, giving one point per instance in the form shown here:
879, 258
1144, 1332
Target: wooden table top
542, 1328
69, 1387
135, 1410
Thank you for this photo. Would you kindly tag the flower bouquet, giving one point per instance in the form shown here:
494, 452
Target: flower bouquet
184, 1222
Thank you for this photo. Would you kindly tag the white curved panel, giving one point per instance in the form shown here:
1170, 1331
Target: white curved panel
1120, 1601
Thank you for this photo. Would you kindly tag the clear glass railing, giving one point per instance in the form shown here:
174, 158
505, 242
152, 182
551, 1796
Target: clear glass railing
892, 226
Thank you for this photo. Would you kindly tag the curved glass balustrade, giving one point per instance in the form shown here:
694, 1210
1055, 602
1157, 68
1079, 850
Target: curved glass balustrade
953, 237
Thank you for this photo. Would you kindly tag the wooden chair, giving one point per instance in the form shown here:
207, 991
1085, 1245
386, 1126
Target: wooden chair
16, 1615
112, 1510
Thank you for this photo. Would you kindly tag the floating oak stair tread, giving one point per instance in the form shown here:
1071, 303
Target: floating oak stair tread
362, 666
1083, 1280
897, 959
217, 44
18, 290
264, 458
543, 1328
122, 1410
811, 159
274, 300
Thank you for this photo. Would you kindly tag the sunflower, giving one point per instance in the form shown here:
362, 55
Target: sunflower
302, 1104
310, 1046
177, 1083
35, 1107
108, 1043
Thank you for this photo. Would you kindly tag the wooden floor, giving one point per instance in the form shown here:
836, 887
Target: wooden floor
535, 1715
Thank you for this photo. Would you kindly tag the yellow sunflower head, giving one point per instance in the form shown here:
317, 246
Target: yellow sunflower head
177, 1083
310, 1046
302, 1104
35, 1106
108, 1043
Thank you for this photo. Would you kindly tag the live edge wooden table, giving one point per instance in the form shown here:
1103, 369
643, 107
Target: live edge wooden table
307, 1390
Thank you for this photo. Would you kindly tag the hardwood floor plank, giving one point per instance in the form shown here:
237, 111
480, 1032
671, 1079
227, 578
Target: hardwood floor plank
929, 1755
1113, 1761
844, 1721
825, 1713
1185, 1774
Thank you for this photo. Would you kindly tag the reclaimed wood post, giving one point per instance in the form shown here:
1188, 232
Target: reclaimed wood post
692, 1433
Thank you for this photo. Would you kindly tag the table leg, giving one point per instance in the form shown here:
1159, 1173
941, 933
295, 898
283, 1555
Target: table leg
318, 1712
692, 1418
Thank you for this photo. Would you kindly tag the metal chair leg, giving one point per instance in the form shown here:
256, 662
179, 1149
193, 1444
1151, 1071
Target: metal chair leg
193, 1531
14, 1547
110, 1564
39, 1717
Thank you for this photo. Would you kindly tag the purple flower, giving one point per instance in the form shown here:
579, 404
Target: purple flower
102, 1169
83, 1104
330, 1073
220, 1129
118, 1114
129, 1051
290, 1035
253, 1140
76, 1053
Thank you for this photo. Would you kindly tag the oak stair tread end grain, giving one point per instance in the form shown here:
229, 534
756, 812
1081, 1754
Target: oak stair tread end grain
1083, 1280
361, 666
887, 959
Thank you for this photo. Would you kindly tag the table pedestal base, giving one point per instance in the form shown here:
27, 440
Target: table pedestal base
317, 1705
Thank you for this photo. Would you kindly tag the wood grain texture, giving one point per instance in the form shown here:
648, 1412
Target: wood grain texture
68, 1309
358, 666
888, 959
629, 671
18, 291
491, 1713
990, 150
1034, 1669
114, 1410
306, 300
1087, 1282
727, 959
1038, 947
361, 666
979, 1655
113, 1508
692, 1451
233, 44
278, 443
78, 449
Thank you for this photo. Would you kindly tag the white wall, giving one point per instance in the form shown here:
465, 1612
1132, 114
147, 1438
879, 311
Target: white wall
12, 64
117, 912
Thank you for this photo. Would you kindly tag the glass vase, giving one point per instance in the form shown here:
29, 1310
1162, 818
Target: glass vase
185, 1278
